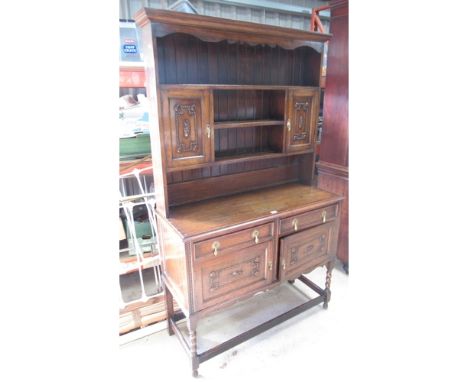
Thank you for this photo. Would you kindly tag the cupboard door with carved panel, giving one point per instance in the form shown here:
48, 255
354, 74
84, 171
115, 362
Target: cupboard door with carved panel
303, 251
233, 274
303, 107
186, 119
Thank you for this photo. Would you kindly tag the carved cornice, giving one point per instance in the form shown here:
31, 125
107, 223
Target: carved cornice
211, 28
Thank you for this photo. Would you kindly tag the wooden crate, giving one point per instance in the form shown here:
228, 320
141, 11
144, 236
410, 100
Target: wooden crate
141, 314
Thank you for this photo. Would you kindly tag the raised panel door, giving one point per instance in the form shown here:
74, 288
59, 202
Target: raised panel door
302, 251
233, 274
186, 118
303, 107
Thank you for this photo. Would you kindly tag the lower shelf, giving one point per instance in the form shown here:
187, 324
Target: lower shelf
246, 156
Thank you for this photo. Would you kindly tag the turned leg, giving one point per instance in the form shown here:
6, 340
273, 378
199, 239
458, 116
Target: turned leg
169, 308
330, 266
193, 345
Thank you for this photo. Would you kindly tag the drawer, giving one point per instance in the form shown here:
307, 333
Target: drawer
235, 274
308, 219
302, 251
219, 245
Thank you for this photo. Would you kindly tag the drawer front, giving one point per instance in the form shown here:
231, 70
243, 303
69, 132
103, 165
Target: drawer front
302, 251
234, 274
308, 219
218, 246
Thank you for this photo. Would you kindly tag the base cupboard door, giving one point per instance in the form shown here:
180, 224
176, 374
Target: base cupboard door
302, 251
233, 274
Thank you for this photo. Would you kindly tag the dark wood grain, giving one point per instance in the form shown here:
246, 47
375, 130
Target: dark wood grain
308, 219
305, 250
157, 132
334, 178
196, 218
234, 274
248, 123
333, 165
219, 166
303, 106
207, 188
174, 264
185, 115
233, 180
334, 145
188, 60
216, 29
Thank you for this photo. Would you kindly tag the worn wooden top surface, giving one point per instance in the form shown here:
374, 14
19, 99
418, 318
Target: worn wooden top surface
254, 206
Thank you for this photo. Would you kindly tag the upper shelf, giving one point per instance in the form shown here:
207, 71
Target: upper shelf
210, 28
233, 87
250, 123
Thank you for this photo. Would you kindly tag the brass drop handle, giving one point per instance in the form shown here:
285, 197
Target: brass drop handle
288, 124
284, 264
215, 246
208, 130
295, 224
270, 265
255, 235
324, 216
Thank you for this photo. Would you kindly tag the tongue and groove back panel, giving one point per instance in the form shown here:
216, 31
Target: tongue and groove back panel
185, 59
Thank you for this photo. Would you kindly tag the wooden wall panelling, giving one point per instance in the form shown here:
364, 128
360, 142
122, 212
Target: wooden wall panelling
336, 180
334, 145
200, 189
333, 164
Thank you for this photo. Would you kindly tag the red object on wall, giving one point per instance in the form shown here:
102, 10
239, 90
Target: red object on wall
315, 23
333, 164
132, 77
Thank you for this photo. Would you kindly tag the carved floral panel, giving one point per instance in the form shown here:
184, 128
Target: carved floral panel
186, 128
300, 133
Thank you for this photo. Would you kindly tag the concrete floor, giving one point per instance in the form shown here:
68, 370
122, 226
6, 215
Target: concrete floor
307, 342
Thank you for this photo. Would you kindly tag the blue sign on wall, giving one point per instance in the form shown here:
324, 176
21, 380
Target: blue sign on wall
129, 45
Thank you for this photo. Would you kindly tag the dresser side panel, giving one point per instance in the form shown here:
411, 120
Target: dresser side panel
173, 256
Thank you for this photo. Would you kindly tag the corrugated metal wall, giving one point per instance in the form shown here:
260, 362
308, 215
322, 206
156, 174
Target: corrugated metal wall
287, 13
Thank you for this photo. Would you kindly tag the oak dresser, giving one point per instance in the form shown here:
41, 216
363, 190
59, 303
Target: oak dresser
233, 113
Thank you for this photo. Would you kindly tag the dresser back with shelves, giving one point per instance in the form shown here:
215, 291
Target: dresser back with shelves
236, 108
